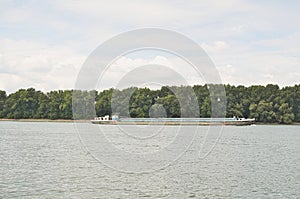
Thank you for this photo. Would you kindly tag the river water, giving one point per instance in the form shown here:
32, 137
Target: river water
67, 160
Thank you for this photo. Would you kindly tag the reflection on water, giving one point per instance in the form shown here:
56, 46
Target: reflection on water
47, 160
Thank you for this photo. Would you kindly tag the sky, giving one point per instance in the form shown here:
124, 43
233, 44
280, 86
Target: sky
43, 44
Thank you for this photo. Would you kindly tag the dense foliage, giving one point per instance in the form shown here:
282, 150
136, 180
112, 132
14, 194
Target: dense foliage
268, 104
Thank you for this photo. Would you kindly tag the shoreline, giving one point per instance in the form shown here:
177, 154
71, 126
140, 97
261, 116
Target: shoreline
262, 123
88, 121
44, 120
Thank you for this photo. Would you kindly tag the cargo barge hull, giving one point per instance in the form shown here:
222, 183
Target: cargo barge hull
176, 121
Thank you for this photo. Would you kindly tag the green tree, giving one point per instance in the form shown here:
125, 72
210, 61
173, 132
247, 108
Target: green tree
83, 104
140, 102
103, 103
2, 103
286, 116
55, 100
171, 105
43, 106
265, 112
21, 104
265, 103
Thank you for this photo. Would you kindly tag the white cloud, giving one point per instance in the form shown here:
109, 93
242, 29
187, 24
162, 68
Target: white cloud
215, 47
30, 64
268, 76
237, 29
43, 44
176, 15
227, 73
260, 68
166, 71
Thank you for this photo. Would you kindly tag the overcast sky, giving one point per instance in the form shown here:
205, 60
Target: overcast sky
43, 44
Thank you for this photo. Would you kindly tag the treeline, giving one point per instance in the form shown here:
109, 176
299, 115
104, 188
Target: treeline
268, 104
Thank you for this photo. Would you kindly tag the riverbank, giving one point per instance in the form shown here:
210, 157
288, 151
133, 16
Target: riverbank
262, 123
88, 121
44, 120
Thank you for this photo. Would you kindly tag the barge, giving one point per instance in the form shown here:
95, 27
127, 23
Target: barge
115, 120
